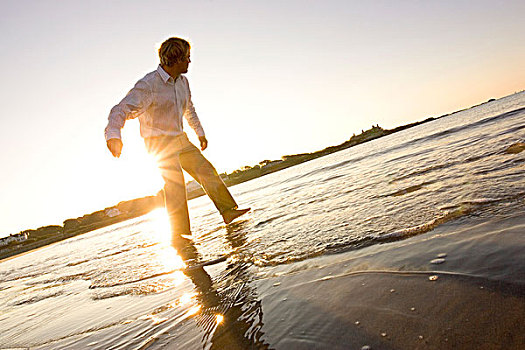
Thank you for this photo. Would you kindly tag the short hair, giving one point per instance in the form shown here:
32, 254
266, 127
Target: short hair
173, 51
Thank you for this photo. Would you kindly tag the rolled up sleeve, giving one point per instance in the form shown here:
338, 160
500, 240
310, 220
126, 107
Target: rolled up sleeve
131, 106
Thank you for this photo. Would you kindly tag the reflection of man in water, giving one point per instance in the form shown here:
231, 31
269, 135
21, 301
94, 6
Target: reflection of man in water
160, 100
231, 296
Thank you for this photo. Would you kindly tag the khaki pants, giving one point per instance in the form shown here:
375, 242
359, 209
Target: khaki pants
173, 154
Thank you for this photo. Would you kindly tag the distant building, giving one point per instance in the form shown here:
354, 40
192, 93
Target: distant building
19, 237
112, 212
271, 164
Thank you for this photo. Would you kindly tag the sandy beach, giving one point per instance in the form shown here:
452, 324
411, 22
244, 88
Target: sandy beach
392, 297
387, 296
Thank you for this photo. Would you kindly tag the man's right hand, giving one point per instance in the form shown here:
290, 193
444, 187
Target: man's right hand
115, 147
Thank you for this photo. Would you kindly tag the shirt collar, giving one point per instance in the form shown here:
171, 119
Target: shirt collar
166, 78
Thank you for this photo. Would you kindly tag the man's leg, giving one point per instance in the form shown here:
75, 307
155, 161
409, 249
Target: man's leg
166, 150
194, 163
176, 205
204, 173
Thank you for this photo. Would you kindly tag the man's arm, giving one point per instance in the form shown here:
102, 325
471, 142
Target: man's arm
131, 106
193, 119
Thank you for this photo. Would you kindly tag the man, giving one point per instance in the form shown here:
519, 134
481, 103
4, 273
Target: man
160, 100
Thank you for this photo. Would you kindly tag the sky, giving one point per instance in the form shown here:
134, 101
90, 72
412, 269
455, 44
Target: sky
268, 78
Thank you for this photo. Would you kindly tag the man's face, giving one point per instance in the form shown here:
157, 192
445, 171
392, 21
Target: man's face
182, 66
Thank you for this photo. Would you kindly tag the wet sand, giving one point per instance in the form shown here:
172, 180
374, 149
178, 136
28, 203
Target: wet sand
392, 297
386, 296
395, 311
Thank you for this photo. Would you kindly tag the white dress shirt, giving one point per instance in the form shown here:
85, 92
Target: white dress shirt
160, 102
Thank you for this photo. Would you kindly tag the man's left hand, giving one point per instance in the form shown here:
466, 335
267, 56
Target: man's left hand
204, 142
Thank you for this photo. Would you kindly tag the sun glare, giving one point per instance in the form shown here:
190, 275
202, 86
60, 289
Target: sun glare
194, 310
167, 255
161, 226
144, 177
187, 298
170, 259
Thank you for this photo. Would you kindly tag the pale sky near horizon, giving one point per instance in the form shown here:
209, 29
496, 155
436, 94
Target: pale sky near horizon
268, 78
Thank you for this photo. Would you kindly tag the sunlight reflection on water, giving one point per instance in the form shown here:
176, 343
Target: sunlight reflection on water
161, 225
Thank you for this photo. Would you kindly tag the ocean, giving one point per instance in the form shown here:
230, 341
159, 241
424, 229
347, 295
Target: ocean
443, 198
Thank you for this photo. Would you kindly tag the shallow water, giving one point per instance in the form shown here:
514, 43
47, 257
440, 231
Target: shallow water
122, 287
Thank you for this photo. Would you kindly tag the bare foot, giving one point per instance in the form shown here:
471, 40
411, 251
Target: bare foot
233, 214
